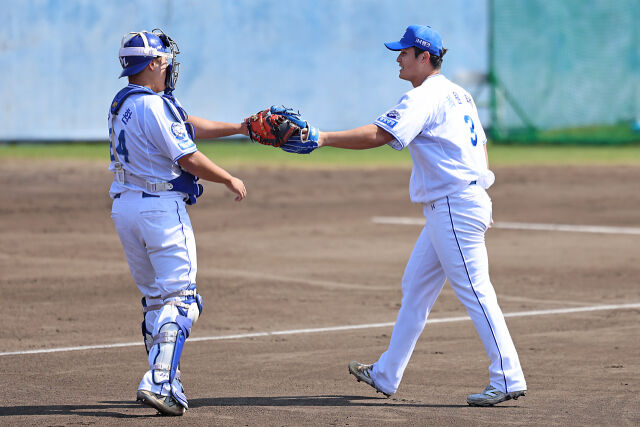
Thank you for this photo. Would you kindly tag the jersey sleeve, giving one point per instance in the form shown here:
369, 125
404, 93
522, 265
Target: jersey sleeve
406, 119
168, 134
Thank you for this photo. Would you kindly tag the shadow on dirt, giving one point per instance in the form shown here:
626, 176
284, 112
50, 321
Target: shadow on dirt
321, 400
101, 409
107, 409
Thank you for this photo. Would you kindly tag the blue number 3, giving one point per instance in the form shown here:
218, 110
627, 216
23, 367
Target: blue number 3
474, 136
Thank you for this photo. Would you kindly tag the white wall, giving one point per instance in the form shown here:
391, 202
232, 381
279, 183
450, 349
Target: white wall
324, 57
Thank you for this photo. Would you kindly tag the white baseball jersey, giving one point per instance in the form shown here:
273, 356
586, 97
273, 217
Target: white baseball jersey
149, 140
438, 121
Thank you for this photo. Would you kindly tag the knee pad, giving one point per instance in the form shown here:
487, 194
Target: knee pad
195, 309
191, 303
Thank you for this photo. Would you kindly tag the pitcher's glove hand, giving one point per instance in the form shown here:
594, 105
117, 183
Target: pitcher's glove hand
297, 143
274, 126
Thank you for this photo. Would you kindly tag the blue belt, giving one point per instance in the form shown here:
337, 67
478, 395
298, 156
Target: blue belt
144, 194
473, 182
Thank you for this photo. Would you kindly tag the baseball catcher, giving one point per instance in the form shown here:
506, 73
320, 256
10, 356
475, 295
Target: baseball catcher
156, 166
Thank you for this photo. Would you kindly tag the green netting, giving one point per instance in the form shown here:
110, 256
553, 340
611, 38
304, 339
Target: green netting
565, 71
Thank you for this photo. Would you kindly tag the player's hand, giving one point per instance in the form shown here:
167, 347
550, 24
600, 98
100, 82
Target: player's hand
237, 186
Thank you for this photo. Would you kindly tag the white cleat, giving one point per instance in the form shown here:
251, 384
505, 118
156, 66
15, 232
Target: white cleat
491, 396
361, 372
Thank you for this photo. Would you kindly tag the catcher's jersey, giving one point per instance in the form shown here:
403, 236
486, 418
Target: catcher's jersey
149, 140
439, 122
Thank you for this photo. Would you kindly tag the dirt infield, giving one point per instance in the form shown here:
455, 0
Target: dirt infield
302, 252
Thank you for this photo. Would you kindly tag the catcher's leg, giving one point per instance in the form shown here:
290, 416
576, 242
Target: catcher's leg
150, 310
172, 327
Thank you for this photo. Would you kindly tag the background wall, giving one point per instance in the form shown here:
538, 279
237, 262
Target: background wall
325, 57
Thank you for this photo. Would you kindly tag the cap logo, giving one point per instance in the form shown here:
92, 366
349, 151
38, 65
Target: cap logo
422, 42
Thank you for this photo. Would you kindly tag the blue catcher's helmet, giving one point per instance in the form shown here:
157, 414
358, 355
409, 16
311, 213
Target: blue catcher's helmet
140, 48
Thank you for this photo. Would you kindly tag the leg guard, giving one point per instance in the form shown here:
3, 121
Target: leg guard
173, 325
150, 309
170, 341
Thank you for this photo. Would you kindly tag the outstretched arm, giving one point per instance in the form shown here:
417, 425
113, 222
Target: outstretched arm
199, 165
369, 136
207, 129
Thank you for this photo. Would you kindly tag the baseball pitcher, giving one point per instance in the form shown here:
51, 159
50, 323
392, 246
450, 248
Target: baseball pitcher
438, 122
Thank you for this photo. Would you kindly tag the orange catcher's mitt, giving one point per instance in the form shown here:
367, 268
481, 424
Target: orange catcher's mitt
267, 127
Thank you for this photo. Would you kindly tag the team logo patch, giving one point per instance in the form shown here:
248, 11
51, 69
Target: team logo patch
390, 123
393, 114
185, 143
179, 130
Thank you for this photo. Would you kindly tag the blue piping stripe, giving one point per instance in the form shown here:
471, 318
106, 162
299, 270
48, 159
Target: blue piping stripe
476, 295
185, 238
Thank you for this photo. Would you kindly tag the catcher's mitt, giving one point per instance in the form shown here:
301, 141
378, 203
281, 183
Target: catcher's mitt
274, 126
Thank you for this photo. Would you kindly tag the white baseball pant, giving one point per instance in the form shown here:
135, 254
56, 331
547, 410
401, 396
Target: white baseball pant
158, 241
452, 246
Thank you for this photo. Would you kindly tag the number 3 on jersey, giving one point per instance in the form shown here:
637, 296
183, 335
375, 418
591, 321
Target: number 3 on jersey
122, 147
468, 120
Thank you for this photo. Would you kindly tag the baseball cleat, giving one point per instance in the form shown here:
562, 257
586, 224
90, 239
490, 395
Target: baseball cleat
361, 372
491, 396
166, 405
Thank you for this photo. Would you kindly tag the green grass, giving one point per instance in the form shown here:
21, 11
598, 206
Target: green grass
241, 153
597, 135
520, 155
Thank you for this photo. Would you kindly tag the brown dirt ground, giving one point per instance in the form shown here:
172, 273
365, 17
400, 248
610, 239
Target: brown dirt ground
302, 252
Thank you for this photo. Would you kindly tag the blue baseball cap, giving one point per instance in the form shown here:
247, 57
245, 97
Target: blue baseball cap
420, 36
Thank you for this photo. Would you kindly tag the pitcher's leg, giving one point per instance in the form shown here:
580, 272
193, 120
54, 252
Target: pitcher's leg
421, 284
462, 252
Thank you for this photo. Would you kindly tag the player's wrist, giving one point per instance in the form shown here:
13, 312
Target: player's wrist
244, 129
322, 139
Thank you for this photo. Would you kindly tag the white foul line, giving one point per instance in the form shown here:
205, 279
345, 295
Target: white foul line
397, 220
332, 329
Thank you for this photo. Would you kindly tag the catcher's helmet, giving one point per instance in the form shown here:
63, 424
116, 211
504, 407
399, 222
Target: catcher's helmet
140, 48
